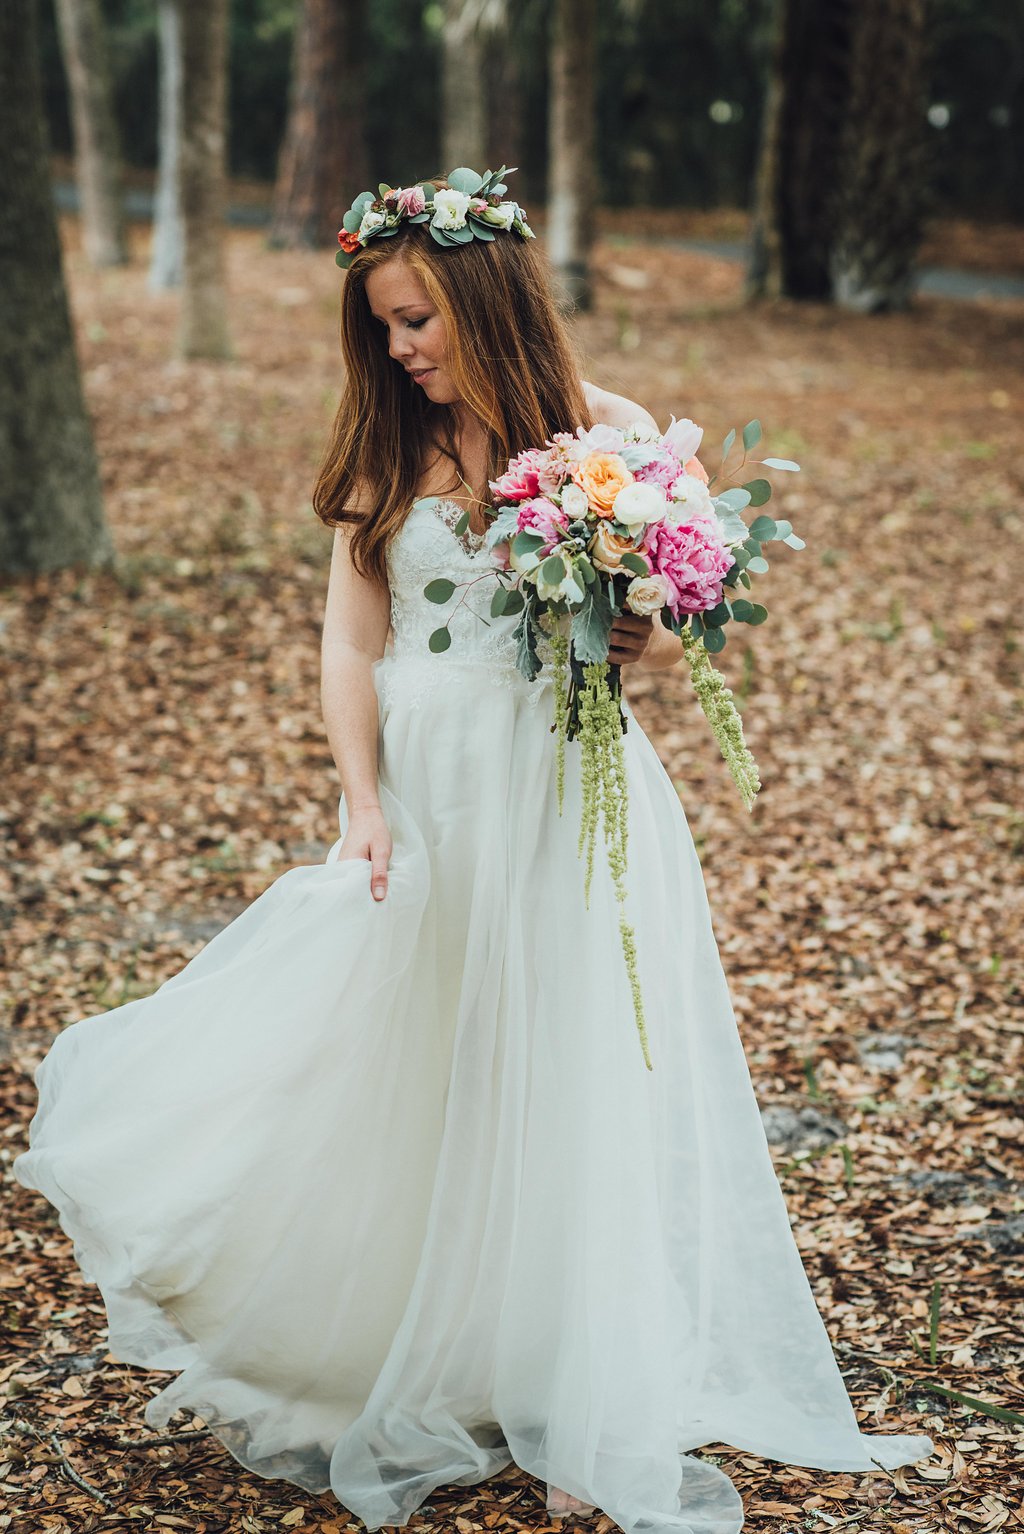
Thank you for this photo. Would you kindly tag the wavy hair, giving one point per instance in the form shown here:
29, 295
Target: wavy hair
507, 350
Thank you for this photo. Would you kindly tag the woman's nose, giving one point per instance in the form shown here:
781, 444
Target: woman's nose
400, 346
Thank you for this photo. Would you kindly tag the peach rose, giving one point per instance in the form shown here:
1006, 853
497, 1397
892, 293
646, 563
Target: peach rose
696, 468
601, 476
607, 548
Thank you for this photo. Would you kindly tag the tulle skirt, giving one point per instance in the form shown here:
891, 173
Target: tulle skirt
388, 1186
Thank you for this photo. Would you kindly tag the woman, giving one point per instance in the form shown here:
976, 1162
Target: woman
381, 1172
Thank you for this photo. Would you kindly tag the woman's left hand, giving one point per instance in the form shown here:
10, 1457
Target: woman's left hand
630, 638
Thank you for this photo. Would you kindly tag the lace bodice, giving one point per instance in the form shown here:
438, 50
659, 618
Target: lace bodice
426, 548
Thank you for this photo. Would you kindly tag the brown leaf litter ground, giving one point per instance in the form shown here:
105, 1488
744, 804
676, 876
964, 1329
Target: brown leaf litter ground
164, 760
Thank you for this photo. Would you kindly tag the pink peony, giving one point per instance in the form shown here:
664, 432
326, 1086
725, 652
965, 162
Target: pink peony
411, 200
524, 475
664, 471
693, 559
544, 517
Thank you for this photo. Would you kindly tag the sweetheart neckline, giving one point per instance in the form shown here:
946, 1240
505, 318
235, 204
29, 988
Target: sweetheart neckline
470, 553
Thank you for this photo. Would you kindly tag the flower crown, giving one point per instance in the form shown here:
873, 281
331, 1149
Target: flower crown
471, 208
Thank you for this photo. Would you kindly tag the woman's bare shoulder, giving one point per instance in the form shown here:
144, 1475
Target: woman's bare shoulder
614, 409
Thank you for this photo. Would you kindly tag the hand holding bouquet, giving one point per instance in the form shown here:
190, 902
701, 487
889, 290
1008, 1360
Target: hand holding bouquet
610, 520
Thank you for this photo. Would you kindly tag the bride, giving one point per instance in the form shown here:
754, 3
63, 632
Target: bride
381, 1175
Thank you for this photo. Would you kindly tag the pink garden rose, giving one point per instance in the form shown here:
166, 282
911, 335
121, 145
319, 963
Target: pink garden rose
411, 200
544, 517
694, 561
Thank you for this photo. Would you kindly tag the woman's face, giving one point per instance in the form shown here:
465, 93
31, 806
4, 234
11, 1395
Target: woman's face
416, 331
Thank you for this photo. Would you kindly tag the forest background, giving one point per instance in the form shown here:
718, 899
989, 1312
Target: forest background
808, 214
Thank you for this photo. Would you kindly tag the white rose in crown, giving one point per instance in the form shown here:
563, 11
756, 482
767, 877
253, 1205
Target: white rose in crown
450, 209
637, 504
503, 216
646, 594
369, 222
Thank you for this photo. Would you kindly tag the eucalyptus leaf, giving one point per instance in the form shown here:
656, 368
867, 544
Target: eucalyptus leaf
742, 610
714, 617
637, 563
382, 188
514, 600
350, 223
362, 202
760, 491
781, 463
439, 641
758, 565
465, 180
736, 499
759, 613
498, 601
752, 547
794, 542
553, 570
714, 640
440, 590
783, 529
429, 190
727, 444
751, 434
527, 543
763, 529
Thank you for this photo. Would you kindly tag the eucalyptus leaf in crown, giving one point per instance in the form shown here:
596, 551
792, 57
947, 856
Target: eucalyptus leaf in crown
471, 207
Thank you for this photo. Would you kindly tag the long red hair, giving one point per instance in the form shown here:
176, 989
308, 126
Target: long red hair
508, 352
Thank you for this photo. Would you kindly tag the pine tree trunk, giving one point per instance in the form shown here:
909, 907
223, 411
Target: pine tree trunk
51, 509
323, 159
880, 195
841, 174
572, 185
800, 152
204, 36
97, 149
167, 257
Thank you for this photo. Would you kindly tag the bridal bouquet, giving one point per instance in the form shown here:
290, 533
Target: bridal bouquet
605, 520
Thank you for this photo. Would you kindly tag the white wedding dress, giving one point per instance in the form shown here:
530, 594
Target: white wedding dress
388, 1185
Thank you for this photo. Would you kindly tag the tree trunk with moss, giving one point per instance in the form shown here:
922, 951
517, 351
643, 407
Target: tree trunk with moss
204, 36
167, 256
83, 39
323, 158
572, 179
51, 509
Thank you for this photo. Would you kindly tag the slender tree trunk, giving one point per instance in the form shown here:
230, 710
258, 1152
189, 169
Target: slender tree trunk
572, 185
204, 35
167, 257
51, 509
323, 159
83, 40
879, 200
840, 181
471, 29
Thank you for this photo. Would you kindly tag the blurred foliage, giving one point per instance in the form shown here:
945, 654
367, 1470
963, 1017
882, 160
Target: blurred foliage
680, 86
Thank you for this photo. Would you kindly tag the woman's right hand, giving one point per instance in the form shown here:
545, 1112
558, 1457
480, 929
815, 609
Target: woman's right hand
368, 837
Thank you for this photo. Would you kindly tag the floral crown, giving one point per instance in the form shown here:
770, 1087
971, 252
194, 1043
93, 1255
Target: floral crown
471, 208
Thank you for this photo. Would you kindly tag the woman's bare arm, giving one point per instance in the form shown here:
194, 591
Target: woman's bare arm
356, 622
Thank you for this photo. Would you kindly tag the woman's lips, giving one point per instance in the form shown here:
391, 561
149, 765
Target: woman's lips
420, 375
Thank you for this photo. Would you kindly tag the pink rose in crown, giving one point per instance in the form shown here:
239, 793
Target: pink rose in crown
694, 561
410, 200
543, 517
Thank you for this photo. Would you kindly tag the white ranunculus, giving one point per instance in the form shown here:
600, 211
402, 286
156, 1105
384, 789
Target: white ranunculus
690, 497
637, 504
646, 594
450, 209
683, 437
369, 222
574, 502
